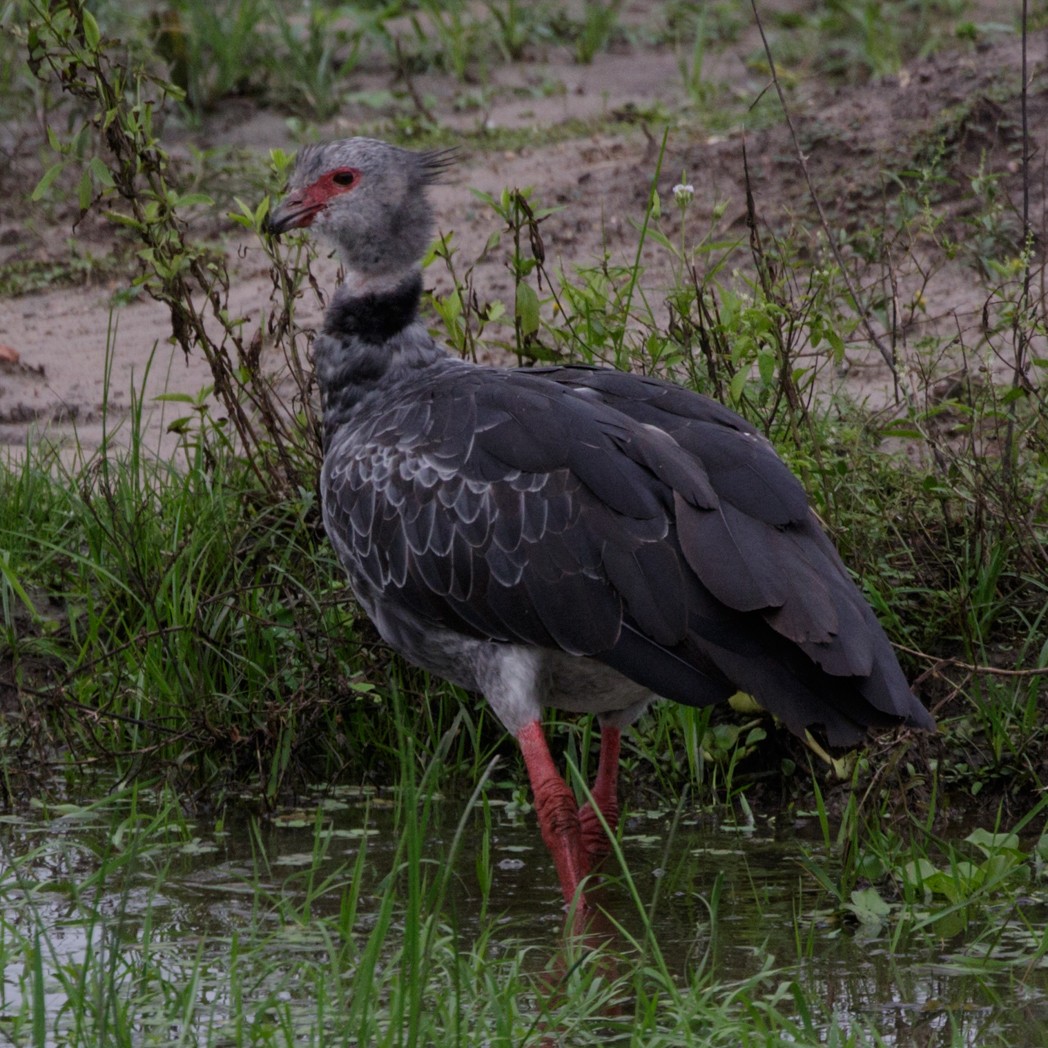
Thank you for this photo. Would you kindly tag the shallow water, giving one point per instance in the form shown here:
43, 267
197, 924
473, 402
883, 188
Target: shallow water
185, 886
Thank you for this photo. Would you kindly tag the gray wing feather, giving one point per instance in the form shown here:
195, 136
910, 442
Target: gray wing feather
612, 516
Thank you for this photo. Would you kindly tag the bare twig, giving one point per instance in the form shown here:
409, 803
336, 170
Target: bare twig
971, 667
864, 315
404, 69
184, 276
1020, 321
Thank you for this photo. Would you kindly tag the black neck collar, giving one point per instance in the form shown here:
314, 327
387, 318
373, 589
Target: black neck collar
375, 317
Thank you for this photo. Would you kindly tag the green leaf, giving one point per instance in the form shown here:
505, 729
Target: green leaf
661, 239
755, 735
14, 583
990, 843
738, 384
45, 183
837, 343
527, 309
451, 304
91, 33
998, 867
39, 1010
86, 190
916, 874
868, 906
123, 220
192, 200
100, 173
766, 366
969, 875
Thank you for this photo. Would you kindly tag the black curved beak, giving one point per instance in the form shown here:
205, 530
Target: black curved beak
293, 212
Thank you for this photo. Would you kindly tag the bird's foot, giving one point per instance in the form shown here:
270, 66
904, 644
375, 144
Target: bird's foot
596, 845
558, 817
603, 807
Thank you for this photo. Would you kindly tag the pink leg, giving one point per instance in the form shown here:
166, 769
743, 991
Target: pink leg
557, 811
605, 794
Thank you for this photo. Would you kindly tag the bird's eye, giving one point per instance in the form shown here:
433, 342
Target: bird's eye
344, 178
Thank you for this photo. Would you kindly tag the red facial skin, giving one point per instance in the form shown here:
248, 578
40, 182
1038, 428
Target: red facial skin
299, 208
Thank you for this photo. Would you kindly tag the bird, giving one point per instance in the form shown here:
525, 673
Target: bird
563, 536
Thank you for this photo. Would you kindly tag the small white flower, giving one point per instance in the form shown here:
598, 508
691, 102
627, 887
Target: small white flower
682, 193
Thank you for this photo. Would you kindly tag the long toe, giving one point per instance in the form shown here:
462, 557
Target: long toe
596, 845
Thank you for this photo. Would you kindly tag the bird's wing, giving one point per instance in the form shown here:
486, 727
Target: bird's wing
650, 528
501, 505
763, 526
761, 548
743, 466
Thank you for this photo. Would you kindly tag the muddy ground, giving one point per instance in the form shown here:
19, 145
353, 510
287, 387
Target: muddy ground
961, 105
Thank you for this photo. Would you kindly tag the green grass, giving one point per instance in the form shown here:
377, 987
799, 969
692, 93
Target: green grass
171, 934
198, 610
184, 623
192, 618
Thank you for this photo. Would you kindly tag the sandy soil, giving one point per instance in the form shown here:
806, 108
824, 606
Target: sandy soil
852, 136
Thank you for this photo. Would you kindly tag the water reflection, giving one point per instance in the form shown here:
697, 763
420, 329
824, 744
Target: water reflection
717, 899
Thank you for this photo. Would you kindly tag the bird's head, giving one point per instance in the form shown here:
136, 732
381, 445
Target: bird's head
368, 198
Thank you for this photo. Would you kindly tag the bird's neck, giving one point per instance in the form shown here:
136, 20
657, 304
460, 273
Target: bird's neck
372, 339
